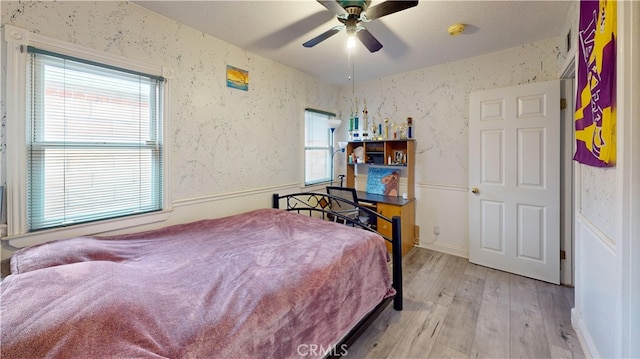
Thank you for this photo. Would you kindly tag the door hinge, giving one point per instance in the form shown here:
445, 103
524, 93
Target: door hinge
563, 255
563, 103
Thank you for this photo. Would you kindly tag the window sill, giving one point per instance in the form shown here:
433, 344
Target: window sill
16, 242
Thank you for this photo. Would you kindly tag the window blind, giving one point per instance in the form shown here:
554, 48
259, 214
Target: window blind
94, 146
317, 147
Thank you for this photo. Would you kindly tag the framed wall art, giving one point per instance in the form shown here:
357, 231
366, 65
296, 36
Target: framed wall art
237, 78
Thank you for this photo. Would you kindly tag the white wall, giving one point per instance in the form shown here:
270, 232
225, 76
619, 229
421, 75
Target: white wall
229, 148
607, 289
437, 98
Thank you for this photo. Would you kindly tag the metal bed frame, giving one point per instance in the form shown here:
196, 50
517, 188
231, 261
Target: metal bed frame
319, 205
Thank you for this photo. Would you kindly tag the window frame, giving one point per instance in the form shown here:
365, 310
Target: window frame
16, 136
328, 148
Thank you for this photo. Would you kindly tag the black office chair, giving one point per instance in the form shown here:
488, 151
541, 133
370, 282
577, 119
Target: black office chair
346, 209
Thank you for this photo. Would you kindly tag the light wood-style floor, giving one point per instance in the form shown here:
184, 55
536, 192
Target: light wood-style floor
455, 309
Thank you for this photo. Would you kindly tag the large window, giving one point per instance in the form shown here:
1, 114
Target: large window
94, 145
317, 147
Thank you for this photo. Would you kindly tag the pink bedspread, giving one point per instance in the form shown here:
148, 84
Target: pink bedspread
264, 284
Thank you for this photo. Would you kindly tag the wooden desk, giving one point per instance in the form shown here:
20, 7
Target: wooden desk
390, 206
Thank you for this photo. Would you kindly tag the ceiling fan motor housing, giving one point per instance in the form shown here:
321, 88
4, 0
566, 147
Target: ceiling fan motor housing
351, 12
354, 5
353, 8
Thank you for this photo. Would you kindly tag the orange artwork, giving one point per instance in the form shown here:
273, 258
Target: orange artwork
237, 78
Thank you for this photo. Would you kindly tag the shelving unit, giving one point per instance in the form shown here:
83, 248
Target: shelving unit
378, 153
402, 155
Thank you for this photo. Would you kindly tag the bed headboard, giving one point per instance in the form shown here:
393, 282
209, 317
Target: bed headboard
319, 205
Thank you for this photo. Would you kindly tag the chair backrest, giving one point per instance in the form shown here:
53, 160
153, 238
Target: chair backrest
343, 192
347, 193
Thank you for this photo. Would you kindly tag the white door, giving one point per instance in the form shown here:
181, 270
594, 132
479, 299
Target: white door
514, 175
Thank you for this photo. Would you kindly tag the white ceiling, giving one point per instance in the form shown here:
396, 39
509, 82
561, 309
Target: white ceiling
412, 39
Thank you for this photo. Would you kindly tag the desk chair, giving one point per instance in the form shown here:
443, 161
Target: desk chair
344, 208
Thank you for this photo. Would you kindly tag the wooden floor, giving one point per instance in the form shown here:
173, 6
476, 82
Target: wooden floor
455, 309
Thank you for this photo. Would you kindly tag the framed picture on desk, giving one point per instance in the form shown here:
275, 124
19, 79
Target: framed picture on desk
398, 157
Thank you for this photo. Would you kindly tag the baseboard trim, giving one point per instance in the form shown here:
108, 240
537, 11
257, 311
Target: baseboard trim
588, 348
446, 248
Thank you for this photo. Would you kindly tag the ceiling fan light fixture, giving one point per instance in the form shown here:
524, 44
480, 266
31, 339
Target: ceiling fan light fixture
352, 29
456, 29
351, 42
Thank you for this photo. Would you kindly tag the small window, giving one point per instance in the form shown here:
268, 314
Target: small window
94, 147
317, 147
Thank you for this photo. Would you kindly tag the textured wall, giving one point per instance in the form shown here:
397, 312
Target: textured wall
437, 98
597, 187
222, 140
598, 199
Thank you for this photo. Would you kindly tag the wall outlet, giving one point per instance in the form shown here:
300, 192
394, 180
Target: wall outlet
436, 230
416, 231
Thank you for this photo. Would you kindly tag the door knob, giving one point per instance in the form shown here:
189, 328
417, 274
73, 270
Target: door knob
475, 190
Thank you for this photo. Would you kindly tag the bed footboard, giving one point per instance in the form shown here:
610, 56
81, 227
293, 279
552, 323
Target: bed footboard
319, 205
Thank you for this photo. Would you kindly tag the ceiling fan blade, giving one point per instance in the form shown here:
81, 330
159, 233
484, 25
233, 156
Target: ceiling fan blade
325, 35
334, 7
388, 7
370, 42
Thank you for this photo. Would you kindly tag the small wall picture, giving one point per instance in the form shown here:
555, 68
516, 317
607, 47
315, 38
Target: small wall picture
237, 78
398, 157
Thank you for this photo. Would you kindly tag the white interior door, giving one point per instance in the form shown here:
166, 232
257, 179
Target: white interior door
514, 174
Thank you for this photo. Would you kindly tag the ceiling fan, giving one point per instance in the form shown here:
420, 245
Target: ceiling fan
352, 12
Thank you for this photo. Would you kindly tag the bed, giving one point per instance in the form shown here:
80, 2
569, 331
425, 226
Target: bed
266, 283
